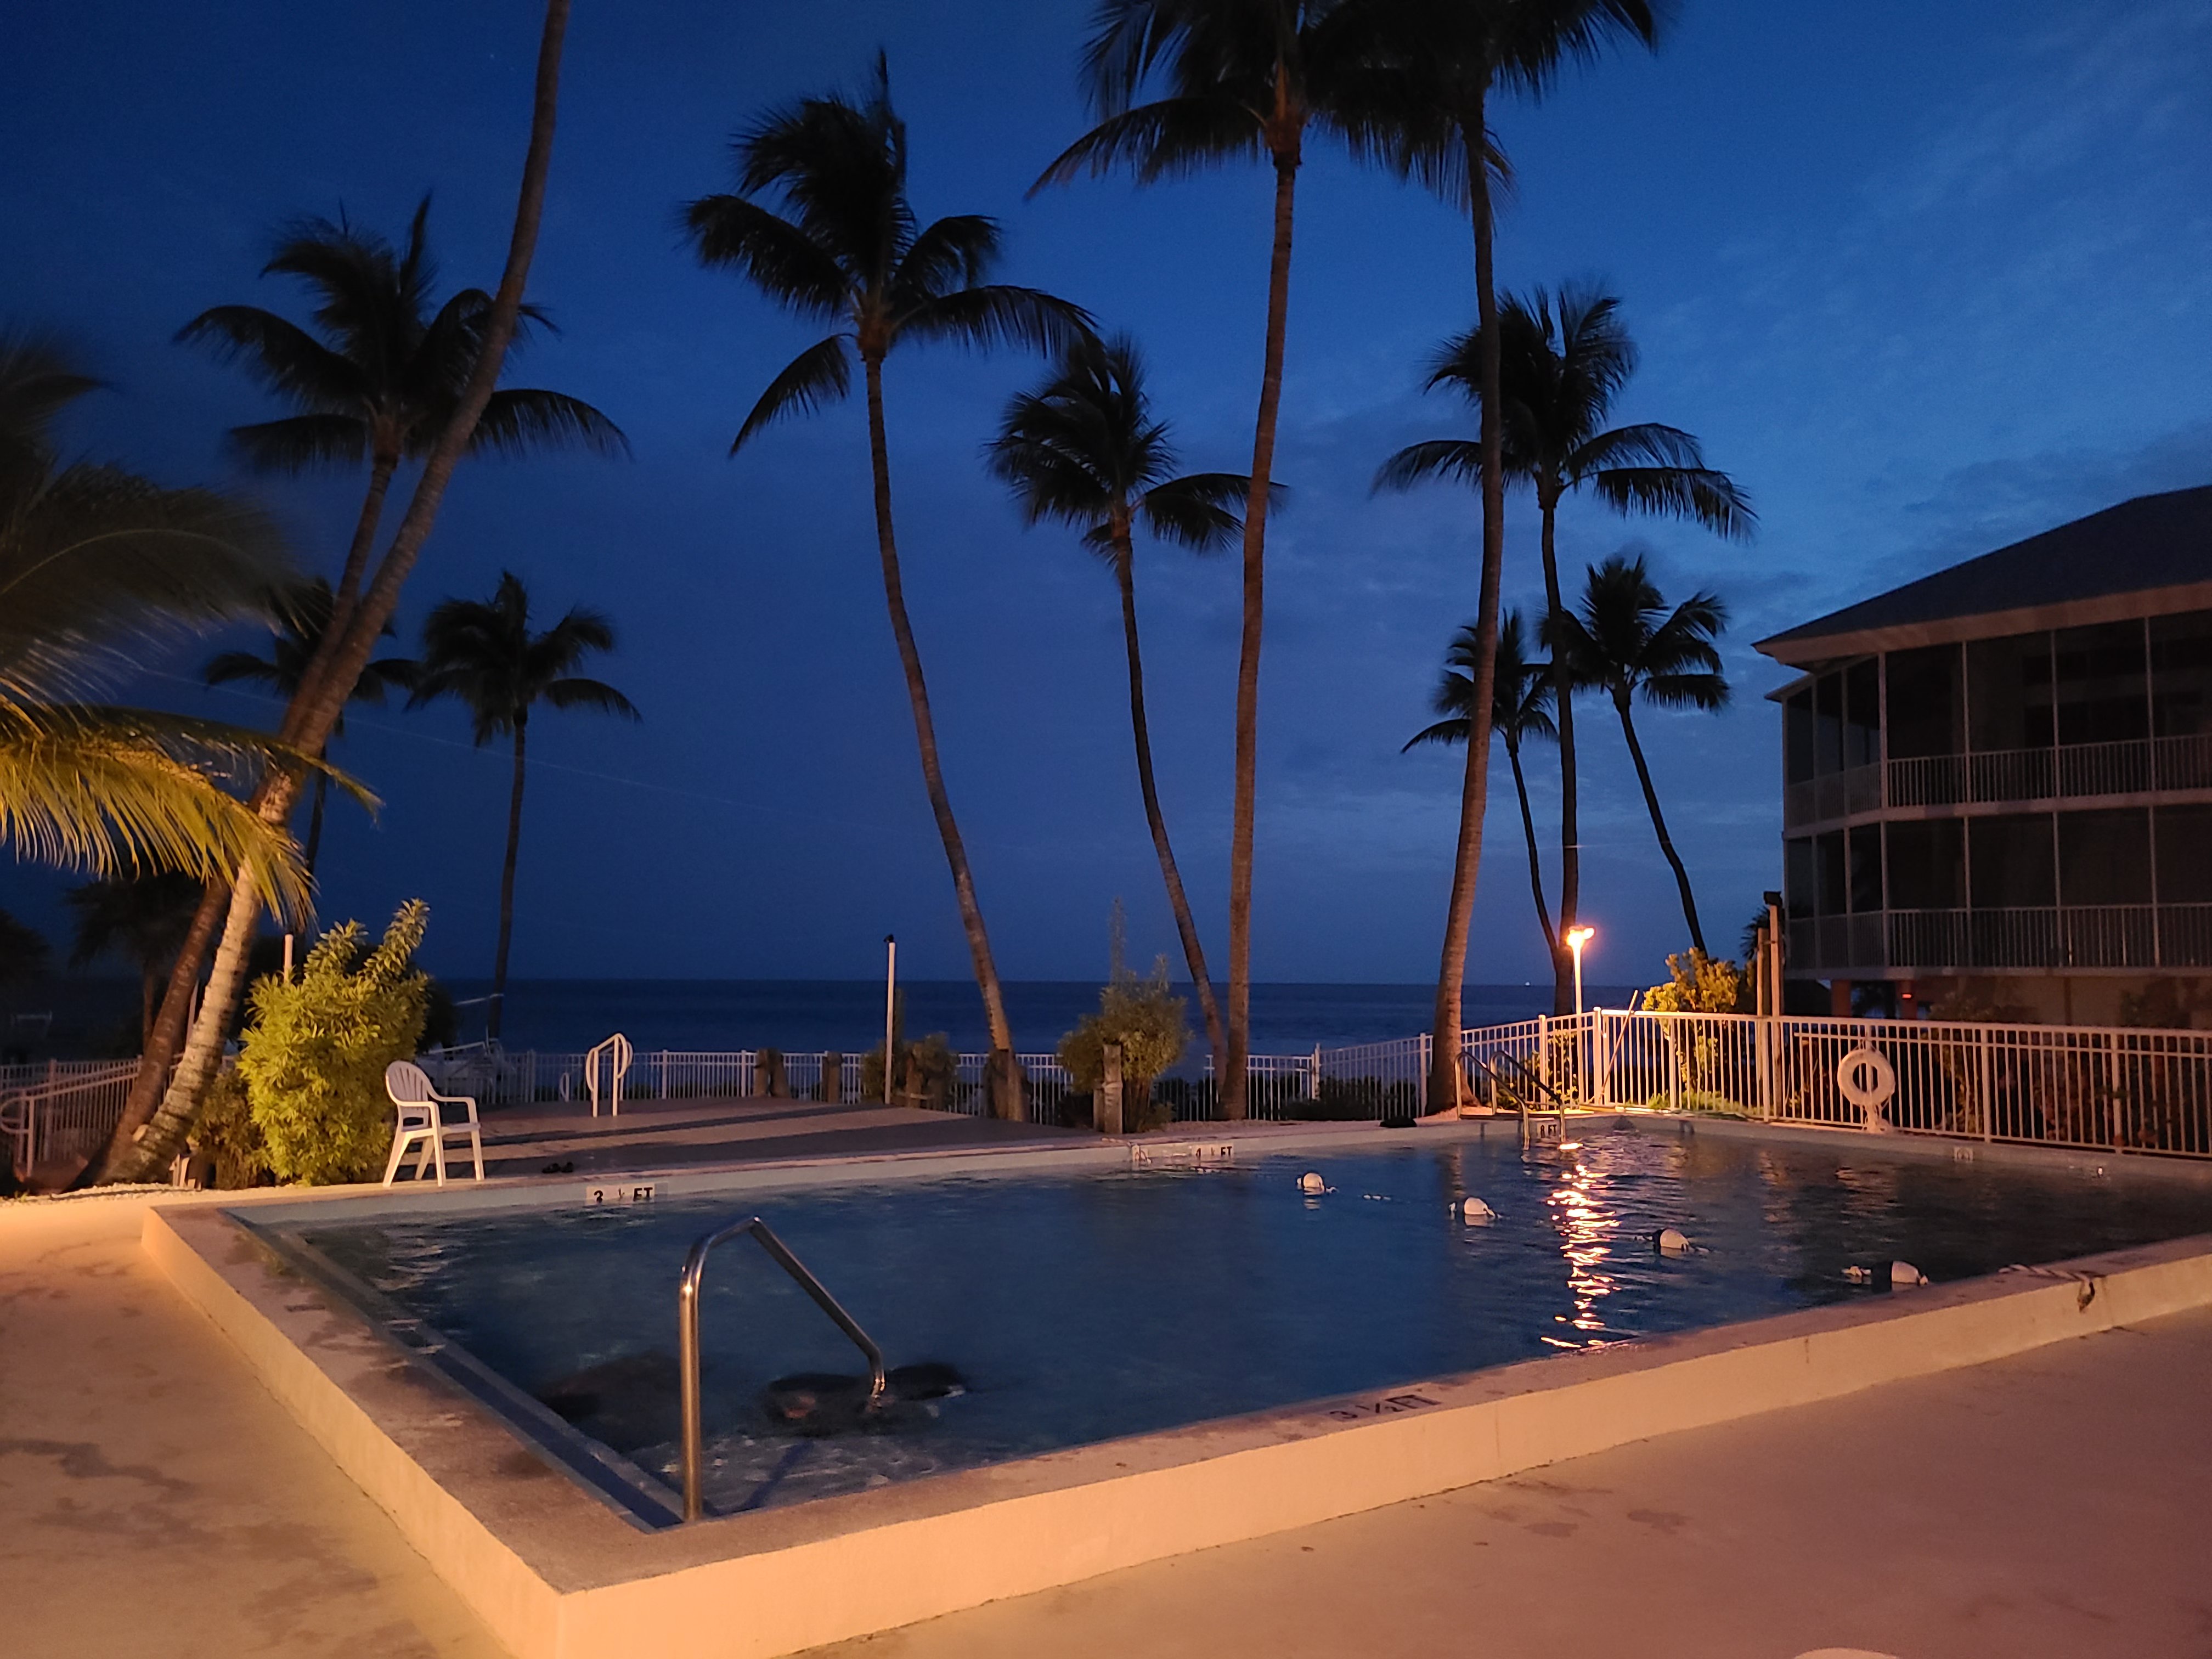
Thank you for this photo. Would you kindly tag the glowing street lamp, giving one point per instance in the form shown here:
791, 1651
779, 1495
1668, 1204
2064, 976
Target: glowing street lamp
1577, 938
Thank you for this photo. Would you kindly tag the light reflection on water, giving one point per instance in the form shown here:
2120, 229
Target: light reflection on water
1586, 1227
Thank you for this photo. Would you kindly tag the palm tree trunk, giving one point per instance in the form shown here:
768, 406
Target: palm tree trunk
315, 712
1535, 862
381, 468
1659, 823
315, 820
1192, 953
1474, 790
933, 777
1563, 713
1237, 1038
506, 885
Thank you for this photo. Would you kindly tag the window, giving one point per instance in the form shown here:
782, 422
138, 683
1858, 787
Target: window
1863, 847
2181, 674
2011, 858
2104, 858
1797, 881
2009, 692
2101, 694
1927, 713
1828, 724
1861, 714
1831, 888
1797, 737
2184, 854
1928, 865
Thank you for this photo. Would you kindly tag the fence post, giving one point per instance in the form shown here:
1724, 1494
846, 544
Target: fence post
1598, 1053
1421, 1077
1673, 1062
1989, 1095
1544, 1049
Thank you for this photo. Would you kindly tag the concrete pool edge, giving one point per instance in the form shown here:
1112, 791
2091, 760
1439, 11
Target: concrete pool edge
555, 1574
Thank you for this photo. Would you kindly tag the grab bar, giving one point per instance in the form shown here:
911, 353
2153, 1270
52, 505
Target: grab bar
687, 1334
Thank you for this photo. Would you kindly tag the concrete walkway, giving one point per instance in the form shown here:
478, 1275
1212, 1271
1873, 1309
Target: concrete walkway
153, 1499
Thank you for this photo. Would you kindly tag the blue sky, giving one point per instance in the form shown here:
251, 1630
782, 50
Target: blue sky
1923, 278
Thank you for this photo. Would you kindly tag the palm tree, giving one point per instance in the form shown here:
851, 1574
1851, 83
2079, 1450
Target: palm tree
93, 561
1240, 79
144, 918
1424, 105
1564, 359
1625, 641
299, 620
24, 952
1521, 698
156, 1119
845, 251
1085, 449
483, 653
384, 378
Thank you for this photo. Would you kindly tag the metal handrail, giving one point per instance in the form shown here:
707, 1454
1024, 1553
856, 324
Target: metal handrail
687, 1334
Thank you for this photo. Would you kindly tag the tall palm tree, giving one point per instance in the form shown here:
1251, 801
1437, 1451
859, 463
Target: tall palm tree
379, 377
1085, 449
845, 251
156, 1117
1563, 360
299, 620
1239, 80
95, 561
143, 918
1623, 640
482, 653
1522, 695
1424, 105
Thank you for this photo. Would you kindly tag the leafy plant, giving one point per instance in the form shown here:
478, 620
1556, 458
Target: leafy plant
1145, 1018
227, 1135
315, 1052
1696, 984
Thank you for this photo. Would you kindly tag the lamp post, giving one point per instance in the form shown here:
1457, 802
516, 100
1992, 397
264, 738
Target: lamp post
890, 1008
1577, 938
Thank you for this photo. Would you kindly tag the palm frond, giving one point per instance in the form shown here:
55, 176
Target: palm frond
518, 420
1708, 692
38, 378
594, 694
819, 376
279, 355
948, 253
298, 442
1202, 511
995, 314
1450, 732
1459, 459
1168, 139
1699, 495
786, 263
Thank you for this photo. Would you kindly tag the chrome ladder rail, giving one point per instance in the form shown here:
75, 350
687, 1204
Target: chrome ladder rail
686, 1332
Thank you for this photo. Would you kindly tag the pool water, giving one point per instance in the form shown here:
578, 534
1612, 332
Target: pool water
1083, 1307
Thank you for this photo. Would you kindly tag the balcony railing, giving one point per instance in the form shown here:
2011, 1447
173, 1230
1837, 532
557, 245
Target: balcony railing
2138, 766
2053, 937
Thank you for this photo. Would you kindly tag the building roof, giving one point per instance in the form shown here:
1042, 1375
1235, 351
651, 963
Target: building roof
2146, 556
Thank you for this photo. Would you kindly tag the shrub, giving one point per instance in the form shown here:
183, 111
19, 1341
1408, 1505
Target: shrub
1147, 1019
925, 1074
1696, 984
226, 1135
315, 1052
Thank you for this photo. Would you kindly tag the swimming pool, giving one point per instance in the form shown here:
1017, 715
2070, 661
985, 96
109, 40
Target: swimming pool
1086, 1306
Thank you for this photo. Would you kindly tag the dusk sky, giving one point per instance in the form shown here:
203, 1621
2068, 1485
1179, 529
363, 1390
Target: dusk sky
1924, 278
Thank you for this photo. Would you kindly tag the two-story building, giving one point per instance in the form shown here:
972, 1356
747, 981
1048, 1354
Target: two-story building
2002, 773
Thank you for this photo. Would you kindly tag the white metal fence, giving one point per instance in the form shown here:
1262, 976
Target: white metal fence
64, 1109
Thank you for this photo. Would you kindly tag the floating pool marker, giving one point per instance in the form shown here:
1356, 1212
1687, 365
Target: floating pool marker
1476, 1213
1310, 1182
1671, 1242
1904, 1274
1858, 1275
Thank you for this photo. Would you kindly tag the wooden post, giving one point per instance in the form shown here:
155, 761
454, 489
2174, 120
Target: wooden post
1106, 1104
833, 1077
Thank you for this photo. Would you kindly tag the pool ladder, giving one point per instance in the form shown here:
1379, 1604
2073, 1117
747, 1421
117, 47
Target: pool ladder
687, 1330
1515, 1079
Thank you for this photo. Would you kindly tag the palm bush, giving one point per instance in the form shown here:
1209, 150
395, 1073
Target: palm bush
1145, 1018
315, 1051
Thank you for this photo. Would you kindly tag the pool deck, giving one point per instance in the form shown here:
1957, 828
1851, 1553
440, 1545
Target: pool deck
153, 1498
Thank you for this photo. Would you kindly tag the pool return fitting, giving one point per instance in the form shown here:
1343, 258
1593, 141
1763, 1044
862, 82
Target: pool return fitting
687, 1336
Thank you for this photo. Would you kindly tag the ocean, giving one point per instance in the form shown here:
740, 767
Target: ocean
99, 1016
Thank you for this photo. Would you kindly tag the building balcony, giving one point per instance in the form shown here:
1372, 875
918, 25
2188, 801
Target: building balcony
2071, 771
2049, 938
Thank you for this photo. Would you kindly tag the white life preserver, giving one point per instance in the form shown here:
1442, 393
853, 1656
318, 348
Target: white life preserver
1868, 1081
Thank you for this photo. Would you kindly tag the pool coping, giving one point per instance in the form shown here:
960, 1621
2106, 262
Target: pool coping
556, 1574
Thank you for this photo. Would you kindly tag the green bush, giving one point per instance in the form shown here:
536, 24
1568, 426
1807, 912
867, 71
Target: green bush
226, 1135
1145, 1018
315, 1051
925, 1074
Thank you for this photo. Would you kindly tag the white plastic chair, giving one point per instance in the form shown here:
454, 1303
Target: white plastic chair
422, 1120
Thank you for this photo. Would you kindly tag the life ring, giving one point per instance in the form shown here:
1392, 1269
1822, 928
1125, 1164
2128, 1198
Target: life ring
1868, 1080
